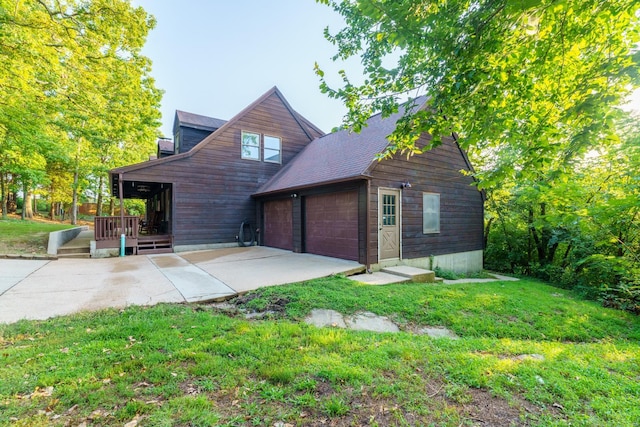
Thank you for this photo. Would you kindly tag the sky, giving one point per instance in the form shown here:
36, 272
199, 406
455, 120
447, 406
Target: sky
216, 57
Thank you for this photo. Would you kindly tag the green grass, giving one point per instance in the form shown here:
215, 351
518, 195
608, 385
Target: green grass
18, 237
189, 365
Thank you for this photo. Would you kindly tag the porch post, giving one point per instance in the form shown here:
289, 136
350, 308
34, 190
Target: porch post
120, 192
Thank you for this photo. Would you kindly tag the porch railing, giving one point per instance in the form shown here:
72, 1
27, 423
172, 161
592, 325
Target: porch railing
110, 227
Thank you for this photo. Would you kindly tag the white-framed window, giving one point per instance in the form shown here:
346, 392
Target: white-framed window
430, 213
250, 145
272, 149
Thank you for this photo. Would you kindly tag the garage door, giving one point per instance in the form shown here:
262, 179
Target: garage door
331, 225
278, 225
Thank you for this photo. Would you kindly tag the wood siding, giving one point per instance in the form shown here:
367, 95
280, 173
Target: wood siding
461, 204
190, 137
212, 187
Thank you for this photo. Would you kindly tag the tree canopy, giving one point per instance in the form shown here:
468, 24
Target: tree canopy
76, 96
536, 80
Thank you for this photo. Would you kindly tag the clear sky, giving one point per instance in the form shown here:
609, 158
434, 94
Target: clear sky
215, 57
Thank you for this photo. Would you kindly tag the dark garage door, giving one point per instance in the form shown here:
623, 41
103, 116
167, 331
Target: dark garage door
331, 225
278, 225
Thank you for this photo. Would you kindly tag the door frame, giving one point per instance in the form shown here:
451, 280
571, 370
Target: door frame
398, 220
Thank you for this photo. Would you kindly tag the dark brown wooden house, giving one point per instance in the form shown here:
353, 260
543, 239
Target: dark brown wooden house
309, 192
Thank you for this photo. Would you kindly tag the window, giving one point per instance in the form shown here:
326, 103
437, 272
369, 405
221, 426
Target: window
388, 209
430, 213
272, 149
250, 146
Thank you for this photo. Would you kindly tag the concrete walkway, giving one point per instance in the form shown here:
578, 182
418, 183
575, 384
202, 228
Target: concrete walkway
36, 289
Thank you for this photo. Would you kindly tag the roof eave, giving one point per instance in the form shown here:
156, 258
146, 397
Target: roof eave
311, 185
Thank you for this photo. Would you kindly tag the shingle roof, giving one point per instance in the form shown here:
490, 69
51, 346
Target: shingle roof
198, 121
338, 156
165, 145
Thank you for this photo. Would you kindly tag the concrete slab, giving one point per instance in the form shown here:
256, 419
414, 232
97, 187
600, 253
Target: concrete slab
437, 332
255, 267
371, 322
12, 271
379, 278
42, 289
69, 286
195, 284
413, 273
323, 318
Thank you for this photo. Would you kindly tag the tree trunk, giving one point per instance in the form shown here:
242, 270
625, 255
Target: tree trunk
486, 232
52, 205
100, 199
74, 199
112, 207
4, 194
27, 212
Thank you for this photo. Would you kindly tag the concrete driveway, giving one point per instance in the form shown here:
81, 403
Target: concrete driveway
42, 289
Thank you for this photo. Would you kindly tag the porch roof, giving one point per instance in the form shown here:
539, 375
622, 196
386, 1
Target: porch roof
134, 189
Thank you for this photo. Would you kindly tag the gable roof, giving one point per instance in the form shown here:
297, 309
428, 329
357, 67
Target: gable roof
339, 156
198, 121
304, 124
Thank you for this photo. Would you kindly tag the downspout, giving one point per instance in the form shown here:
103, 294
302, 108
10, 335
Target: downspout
368, 233
122, 236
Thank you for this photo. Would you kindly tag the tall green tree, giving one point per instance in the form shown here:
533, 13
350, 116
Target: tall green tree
536, 80
77, 66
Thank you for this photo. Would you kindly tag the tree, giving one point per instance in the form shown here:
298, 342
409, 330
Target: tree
536, 80
75, 66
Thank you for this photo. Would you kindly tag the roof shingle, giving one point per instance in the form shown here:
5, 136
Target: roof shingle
338, 156
199, 121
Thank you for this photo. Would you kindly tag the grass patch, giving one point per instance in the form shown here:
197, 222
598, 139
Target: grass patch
22, 237
189, 365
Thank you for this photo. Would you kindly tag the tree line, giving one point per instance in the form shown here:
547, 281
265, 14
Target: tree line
533, 90
76, 97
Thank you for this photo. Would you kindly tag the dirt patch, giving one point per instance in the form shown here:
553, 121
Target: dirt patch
488, 410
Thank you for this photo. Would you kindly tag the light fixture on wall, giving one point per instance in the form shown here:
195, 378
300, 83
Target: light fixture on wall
294, 195
405, 184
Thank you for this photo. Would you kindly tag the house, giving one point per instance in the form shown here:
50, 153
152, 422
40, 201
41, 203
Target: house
301, 190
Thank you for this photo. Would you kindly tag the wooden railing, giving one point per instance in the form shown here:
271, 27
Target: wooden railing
110, 228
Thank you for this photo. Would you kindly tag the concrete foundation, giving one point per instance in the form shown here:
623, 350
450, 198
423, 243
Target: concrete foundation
461, 262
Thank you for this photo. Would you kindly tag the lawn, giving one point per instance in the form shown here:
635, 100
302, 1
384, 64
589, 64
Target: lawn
26, 237
528, 354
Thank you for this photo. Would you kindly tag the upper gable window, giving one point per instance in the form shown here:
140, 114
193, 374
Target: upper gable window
272, 149
250, 146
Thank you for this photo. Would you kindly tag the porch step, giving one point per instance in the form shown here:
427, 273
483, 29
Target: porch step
400, 274
161, 244
75, 255
71, 250
78, 247
413, 273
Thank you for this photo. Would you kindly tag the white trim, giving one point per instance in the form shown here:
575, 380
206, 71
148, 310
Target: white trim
242, 156
264, 147
398, 221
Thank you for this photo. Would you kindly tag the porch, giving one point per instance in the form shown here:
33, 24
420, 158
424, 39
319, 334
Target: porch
138, 239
